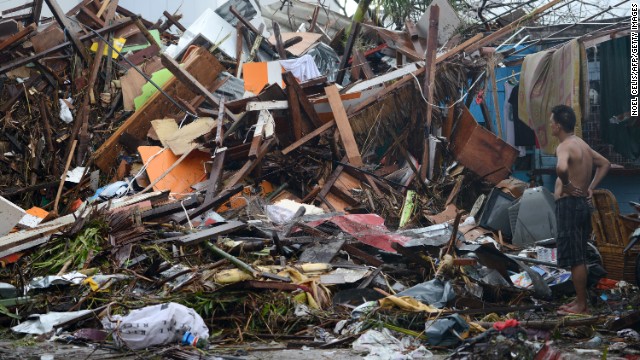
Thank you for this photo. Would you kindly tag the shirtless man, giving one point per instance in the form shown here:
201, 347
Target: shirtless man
573, 191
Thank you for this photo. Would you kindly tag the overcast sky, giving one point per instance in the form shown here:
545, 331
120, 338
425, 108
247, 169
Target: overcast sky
191, 9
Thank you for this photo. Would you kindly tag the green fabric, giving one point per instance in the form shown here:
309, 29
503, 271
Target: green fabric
615, 96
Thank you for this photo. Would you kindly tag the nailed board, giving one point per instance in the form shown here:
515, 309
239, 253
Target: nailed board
201, 64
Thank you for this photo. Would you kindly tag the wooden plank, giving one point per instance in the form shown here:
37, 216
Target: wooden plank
294, 105
103, 8
308, 108
429, 84
308, 137
342, 121
361, 62
11, 40
267, 105
61, 18
199, 65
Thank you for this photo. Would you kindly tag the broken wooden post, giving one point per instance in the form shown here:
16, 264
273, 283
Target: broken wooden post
36, 11
172, 19
429, 80
314, 18
279, 46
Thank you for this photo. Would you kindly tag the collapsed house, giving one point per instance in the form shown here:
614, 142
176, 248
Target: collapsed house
321, 181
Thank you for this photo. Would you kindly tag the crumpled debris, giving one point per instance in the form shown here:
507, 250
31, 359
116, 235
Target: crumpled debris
382, 345
44, 323
629, 334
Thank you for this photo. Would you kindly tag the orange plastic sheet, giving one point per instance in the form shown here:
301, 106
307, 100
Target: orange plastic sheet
179, 180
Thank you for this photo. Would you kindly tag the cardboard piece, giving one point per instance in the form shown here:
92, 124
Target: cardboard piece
179, 180
10, 215
180, 140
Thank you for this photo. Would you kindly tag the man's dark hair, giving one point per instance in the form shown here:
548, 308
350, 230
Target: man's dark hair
565, 116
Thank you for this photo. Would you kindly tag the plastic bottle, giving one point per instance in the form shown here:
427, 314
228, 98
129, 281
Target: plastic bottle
189, 339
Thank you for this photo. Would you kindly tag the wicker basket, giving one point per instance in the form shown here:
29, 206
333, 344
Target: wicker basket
612, 232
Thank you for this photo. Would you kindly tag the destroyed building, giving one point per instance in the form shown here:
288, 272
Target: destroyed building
279, 175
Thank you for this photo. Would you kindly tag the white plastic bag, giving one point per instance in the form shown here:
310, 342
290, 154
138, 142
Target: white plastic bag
155, 325
65, 112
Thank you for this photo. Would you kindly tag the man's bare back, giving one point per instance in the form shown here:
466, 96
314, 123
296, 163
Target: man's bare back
579, 157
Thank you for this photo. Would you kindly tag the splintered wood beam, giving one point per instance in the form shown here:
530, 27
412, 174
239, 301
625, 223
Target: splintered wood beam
11, 40
303, 140
61, 18
429, 84
172, 19
342, 121
279, 46
215, 176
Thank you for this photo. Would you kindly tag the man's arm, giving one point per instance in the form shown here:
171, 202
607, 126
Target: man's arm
562, 166
602, 168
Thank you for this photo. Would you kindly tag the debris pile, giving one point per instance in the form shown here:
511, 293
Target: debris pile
238, 181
